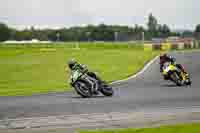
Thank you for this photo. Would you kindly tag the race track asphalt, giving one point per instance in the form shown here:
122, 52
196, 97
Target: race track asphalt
146, 92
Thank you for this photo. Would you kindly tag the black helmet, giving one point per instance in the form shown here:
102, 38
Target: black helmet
71, 63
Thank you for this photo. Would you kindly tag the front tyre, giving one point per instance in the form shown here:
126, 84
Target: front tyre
188, 82
83, 88
178, 82
176, 79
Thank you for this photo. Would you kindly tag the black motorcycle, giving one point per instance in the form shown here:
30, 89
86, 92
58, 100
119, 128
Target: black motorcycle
87, 84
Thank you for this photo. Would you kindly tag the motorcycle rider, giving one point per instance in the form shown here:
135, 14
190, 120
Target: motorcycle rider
74, 65
164, 57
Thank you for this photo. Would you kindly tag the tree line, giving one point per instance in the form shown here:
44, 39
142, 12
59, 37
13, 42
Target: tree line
100, 32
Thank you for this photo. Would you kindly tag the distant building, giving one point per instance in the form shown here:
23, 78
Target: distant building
173, 38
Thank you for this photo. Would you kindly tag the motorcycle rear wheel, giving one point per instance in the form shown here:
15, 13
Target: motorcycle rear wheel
107, 90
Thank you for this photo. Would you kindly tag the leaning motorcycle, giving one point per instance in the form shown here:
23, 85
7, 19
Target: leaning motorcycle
87, 86
171, 72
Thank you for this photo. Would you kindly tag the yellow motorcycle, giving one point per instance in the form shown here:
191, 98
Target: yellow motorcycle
171, 72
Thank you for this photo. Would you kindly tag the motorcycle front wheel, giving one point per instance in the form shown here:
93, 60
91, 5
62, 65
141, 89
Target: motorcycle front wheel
174, 76
83, 88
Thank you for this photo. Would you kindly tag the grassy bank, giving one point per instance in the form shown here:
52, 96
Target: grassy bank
30, 69
187, 128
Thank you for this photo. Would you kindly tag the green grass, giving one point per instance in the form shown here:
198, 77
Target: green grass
32, 69
186, 128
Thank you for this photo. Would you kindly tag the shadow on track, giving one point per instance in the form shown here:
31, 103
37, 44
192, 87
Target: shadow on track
174, 86
168, 85
79, 97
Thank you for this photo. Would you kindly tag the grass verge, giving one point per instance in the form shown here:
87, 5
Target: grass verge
185, 128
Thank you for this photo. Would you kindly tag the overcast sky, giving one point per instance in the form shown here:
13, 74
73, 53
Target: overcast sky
178, 14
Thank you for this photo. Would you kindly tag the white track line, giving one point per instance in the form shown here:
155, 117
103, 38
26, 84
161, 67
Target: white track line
140, 72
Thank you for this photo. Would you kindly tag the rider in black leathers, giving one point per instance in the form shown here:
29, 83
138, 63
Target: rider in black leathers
74, 65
